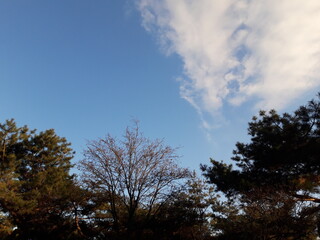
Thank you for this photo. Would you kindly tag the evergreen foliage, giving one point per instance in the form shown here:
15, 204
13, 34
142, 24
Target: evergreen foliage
34, 181
276, 178
133, 188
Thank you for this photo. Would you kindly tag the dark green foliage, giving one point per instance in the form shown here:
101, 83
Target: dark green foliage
284, 152
185, 215
265, 215
35, 181
276, 178
133, 189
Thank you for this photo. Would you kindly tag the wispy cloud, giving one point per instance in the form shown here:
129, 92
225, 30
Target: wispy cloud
236, 50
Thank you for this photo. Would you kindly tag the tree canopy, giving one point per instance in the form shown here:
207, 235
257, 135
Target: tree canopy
278, 171
133, 187
284, 152
134, 176
34, 180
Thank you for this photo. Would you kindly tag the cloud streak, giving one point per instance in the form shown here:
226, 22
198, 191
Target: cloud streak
237, 50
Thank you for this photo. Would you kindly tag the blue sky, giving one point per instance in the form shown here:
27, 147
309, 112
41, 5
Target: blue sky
192, 72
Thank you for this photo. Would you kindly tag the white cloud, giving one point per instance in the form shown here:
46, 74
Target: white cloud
234, 50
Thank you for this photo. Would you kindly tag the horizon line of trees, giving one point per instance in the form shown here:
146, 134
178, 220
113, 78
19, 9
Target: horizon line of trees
133, 188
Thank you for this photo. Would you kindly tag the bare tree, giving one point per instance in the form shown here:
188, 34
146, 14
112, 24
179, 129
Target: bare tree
133, 173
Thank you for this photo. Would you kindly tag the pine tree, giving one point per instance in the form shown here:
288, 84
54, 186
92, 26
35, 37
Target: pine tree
34, 180
277, 176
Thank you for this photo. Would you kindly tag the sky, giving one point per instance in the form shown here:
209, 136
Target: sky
193, 72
